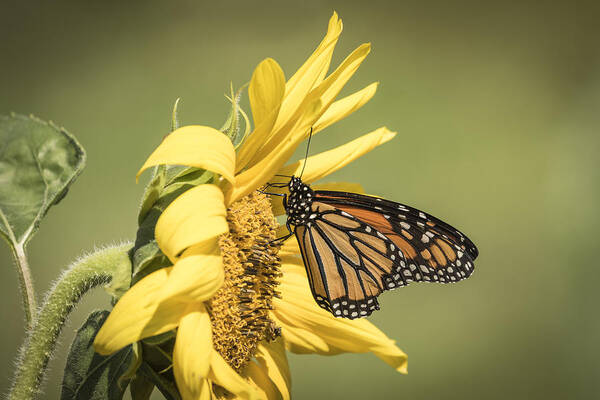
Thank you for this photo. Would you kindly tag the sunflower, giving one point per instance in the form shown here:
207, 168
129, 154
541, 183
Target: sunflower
237, 299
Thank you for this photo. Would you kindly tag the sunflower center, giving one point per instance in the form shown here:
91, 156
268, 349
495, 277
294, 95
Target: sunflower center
240, 309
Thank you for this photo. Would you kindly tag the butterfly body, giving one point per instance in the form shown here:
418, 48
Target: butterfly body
354, 247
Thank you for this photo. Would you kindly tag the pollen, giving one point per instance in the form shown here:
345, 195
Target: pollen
240, 309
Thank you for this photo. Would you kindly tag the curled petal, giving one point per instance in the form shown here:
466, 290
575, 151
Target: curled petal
323, 164
302, 319
223, 375
195, 216
196, 276
191, 367
340, 109
195, 146
139, 314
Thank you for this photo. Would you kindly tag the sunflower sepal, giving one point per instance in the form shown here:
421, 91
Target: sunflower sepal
146, 255
232, 126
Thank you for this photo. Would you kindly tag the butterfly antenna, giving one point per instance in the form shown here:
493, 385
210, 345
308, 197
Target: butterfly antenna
306, 155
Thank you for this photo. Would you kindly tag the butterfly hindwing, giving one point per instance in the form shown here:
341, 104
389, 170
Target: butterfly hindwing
348, 262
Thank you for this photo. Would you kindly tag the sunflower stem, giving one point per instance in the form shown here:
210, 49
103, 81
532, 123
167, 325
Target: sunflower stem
84, 274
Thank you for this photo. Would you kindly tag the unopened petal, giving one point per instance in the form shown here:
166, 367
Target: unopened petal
190, 367
323, 164
300, 317
196, 146
223, 375
194, 217
139, 314
196, 276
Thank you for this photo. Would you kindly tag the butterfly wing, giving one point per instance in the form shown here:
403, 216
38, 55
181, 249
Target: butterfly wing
348, 262
441, 252
354, 247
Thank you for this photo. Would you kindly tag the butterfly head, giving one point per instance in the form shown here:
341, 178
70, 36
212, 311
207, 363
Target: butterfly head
299, 201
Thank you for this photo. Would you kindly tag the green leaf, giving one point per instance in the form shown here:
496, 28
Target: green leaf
152, 193
38, 162
166, 386
89, 375
141, 388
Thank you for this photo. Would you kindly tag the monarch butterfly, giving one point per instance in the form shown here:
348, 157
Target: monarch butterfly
354, 247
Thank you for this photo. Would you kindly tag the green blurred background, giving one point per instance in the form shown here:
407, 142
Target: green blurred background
497, 109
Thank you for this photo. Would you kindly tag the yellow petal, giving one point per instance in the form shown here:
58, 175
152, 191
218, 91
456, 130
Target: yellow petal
289, 134
223, 375
334, 29
190, 367
258, 376
272, 358
195, 216
333, 84
308, 89
301, 318
196, 276
310, 74
195, 146
289, 246
325, 92
260, 173
277, 203
139, 314
323, 164
266, 91
340, 109
294, 102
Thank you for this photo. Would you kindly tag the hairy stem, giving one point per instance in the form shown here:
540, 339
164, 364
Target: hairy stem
83, 275
26, 283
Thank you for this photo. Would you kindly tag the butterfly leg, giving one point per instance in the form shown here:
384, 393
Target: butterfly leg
285, 237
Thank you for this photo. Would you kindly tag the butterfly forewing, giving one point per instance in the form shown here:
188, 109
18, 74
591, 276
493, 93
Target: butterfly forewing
434, 249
